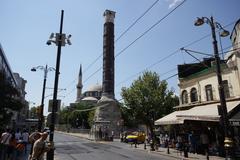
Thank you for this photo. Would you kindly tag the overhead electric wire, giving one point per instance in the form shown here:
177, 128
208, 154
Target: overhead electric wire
90, 65
124, 32
212, 56
92, 74
137, 20
146, 33
154, 25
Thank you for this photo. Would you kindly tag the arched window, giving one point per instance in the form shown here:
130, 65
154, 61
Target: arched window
209, 92
184, 97
226, 89
193, 95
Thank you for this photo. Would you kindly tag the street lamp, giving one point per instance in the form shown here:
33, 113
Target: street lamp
46, 69
224, 33
59, 39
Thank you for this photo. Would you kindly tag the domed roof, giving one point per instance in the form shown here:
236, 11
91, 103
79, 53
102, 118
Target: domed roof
96, 87
89, 99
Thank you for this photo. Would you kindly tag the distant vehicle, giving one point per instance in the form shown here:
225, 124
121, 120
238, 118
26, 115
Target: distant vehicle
138, 137
46, 129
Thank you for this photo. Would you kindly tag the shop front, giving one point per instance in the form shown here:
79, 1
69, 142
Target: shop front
199, 120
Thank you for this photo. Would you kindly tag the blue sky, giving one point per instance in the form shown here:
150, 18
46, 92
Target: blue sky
27, 24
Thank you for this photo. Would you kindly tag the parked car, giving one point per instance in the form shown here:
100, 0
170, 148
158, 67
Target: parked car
138, 137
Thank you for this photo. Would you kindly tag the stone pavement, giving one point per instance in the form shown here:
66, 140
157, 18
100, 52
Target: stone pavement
162, 151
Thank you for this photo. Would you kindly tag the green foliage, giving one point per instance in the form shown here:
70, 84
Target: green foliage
33, 113
147, 99
8, 100
80, 115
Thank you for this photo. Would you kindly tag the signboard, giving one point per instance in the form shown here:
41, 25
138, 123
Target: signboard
50, 104
49, 118
235, 123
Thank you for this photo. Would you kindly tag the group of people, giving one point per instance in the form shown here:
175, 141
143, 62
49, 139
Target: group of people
13, 145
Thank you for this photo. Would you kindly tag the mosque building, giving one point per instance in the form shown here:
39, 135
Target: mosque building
91, 95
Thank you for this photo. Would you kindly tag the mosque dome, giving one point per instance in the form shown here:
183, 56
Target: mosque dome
89, 99
96, 87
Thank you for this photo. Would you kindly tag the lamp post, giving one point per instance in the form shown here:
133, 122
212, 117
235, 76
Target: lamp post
45, 69
60, 40
224, 33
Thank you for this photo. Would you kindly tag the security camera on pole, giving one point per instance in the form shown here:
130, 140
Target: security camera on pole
59, 39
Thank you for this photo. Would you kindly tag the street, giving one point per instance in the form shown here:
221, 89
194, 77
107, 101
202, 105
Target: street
74, 148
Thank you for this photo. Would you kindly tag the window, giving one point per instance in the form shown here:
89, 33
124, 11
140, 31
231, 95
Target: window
226, 89
184, 97
194, 96
209, 92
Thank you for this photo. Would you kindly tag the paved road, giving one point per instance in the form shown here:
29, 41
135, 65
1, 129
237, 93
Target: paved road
74, 148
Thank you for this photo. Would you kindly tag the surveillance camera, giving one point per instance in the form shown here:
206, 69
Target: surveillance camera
51, 36
69, 36
49, 42
69, 42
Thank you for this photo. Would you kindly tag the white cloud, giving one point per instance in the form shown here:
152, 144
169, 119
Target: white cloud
173, 3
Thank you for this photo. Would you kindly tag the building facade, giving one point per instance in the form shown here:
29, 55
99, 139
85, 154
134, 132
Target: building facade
18, 83
91, 95
199, 108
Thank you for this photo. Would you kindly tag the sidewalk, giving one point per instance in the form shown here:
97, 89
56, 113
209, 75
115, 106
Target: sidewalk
176, 154
162, 151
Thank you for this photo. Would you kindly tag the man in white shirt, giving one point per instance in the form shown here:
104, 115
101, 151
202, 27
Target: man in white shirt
25, 136
5, 137
18, 134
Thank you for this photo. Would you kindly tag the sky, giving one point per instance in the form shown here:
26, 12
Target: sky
151, 44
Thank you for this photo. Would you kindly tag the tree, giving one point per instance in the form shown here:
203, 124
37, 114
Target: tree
33, 113
80, 115
148, 99
9, 100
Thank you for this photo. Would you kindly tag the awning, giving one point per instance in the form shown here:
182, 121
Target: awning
199, 113
170, 119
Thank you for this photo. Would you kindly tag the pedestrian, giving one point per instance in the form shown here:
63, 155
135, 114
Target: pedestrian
33, 138
193, 142
25, 136
179, 144
40, 147
20, 149
18, 134
5, 138
205, 142
112, 136
12, 147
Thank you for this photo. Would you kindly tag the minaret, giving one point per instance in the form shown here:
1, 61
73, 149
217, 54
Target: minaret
79, 85
108, 54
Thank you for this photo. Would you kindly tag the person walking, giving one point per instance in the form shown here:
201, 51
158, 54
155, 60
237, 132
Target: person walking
18, 134
12, 147
40, 147
193, 142
205, 142
5, 138
25, 136
32, 139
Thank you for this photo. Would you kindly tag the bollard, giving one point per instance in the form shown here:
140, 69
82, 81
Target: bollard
185, 150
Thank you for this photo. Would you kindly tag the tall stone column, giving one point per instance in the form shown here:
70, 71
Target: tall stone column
107, 115
108, 54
